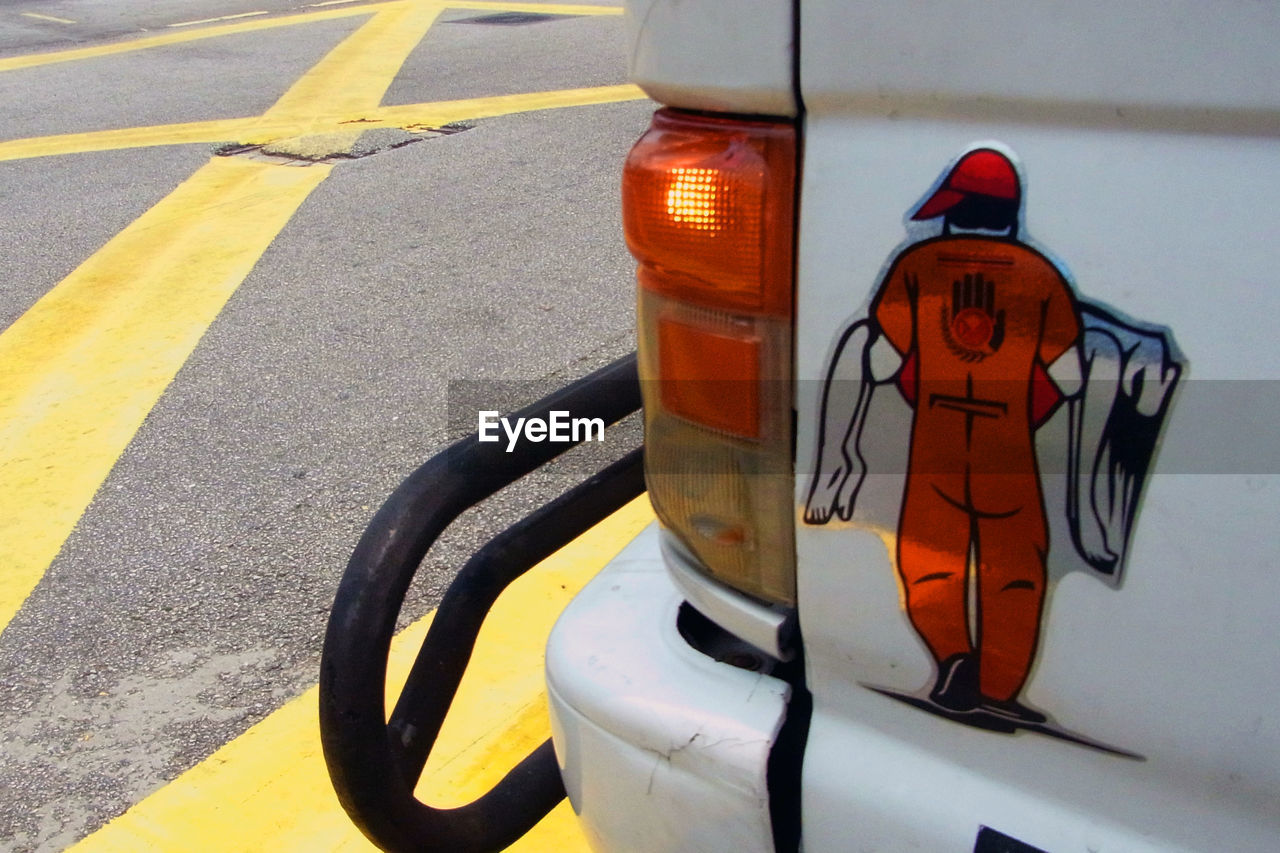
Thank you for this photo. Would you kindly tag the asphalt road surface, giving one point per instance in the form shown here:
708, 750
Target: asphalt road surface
246, 260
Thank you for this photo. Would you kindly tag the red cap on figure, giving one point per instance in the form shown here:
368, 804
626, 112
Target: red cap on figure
982, 172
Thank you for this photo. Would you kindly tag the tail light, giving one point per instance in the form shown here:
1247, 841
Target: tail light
708, 212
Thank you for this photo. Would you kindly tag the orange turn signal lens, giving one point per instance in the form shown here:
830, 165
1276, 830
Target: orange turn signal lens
710, 378
713, 198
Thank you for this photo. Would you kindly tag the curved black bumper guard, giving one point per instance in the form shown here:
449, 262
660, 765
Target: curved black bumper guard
375, 764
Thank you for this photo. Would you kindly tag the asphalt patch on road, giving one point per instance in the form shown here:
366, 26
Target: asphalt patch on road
335, 147
511, 19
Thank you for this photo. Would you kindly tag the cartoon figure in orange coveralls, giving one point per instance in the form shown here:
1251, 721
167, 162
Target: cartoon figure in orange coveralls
985, 338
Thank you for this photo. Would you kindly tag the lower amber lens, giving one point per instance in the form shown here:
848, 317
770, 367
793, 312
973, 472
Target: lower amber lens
718, 457
710, 378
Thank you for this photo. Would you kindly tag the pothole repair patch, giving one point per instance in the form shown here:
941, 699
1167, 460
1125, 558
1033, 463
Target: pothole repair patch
510, 19
335, 147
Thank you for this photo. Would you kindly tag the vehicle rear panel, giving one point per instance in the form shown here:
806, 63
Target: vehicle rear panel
1146, 137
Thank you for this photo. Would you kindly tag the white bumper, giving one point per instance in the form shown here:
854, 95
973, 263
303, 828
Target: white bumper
661, 747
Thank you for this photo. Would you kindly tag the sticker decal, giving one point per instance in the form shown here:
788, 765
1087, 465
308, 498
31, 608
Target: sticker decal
982, 334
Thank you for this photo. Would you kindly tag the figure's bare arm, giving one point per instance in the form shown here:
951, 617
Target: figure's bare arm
881, 364
841, 403
862, 360
870, 352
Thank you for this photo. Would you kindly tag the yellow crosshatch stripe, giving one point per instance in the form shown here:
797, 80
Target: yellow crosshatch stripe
443, 112
260, 130
268, 790
82, 368
53, 18
218, 130
33, 60
31, 486
365, 63
216, 20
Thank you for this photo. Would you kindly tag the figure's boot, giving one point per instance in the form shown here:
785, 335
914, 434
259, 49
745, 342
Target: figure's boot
957, 686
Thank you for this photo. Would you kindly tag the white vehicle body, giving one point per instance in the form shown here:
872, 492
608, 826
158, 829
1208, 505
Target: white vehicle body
1146, 138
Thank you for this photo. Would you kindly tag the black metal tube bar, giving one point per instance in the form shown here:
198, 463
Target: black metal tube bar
438, 669
373, 766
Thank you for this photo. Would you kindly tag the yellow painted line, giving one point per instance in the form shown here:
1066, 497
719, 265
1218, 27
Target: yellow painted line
13, 63
33, 60
53, 18
362, 66
219, 130
443, 112
268, 789
365, 62
216, 20
261, 130
81, 369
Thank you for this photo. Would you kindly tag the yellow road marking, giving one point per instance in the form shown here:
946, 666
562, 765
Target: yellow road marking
53, 18
102, 346
363, 65
259, 130
219, 18
81, 369
41, 489
219, 130
33, 60
443, 112
268, 790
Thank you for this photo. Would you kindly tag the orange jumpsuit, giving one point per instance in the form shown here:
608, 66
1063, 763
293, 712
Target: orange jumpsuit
977, 318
